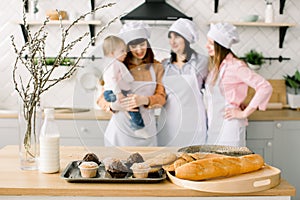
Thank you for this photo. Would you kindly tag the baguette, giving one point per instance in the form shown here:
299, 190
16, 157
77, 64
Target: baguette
184, 158
219, 167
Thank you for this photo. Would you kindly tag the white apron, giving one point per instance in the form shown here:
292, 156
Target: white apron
119, 133
222, 131
182, 121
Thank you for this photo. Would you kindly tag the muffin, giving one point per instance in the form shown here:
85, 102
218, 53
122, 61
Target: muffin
108, 161
91, 157
117, 169
88, 169
140, 170
134, 158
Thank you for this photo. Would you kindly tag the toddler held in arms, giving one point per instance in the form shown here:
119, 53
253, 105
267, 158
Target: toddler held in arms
117, 78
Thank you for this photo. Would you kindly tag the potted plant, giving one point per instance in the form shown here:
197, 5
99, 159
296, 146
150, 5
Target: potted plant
254, 59
293, 89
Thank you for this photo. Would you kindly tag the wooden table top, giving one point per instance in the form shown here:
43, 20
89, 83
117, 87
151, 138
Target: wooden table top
15, 181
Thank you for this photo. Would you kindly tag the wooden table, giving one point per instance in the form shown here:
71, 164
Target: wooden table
33, 184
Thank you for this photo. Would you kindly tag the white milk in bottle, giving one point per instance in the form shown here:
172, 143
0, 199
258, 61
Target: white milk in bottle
49, 161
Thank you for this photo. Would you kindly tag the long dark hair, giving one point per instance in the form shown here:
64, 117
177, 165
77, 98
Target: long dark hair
187, 49
216, 60
149, 57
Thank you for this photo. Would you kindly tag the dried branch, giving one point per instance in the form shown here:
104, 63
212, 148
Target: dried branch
38, 76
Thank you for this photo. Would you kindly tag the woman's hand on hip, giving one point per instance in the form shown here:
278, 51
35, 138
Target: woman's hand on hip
132, 101
234, 113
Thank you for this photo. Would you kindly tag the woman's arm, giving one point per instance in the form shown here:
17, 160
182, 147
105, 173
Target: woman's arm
108, 106
263, 92
158, 99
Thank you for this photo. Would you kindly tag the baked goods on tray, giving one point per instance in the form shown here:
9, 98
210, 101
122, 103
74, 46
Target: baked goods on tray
133, 167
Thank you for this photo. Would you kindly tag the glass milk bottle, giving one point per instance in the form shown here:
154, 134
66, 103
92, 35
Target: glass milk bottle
49, 144
269, 15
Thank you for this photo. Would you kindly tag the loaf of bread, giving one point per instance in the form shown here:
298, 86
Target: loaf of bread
183, 158
161, 159
219, 167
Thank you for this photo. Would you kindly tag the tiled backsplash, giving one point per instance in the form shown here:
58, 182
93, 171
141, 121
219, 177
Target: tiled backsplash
70, 92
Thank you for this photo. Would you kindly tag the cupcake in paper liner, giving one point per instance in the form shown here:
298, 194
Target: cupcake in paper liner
140, 170
88, 169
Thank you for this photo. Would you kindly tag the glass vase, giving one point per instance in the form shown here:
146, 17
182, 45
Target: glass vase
30, 121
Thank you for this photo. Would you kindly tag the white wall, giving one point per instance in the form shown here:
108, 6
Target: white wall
70, 93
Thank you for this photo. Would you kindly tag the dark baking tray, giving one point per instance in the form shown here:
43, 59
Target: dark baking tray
219, 149
72, 174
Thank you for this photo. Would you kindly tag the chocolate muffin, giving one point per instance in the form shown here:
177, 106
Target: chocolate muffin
91, 157
134, 158
117, 169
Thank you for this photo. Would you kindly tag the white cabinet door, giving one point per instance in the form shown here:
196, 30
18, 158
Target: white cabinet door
82, 132
9, 132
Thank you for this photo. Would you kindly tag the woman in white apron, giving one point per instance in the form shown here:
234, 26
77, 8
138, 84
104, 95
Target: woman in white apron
226, 89
182, 121
148, 92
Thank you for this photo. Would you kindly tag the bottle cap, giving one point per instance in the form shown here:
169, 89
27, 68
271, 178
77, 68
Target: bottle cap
49, 112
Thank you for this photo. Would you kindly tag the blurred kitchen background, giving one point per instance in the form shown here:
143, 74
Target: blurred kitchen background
79, 91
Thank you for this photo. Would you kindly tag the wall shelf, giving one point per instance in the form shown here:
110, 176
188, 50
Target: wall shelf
281, 6
282, 27
90, 23
64, 22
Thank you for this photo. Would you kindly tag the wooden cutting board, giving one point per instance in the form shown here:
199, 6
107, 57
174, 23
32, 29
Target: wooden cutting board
260, 180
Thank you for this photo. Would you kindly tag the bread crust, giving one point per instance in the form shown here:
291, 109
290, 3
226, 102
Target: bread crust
183, 158
162, 159
219, 167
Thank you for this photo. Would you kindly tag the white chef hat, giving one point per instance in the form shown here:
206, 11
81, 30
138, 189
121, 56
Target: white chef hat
135, 30
224, 33
186, 28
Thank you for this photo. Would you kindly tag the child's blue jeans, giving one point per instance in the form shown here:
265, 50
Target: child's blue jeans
136, 120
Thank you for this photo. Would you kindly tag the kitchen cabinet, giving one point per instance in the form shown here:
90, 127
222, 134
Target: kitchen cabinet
259, 138
72, 131
278, 142
82, 132
286, 150
9, 132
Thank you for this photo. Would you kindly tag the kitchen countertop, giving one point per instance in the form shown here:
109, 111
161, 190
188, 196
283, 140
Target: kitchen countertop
273, 115
16, 182
84, 114
268, 115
